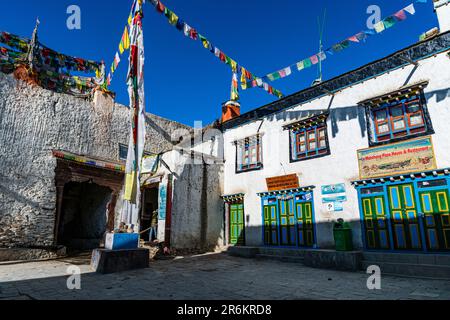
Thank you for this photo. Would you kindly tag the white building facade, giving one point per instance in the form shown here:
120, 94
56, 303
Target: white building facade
371, 146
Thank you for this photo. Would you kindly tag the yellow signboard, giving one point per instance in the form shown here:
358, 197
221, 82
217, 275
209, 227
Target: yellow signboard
399, 158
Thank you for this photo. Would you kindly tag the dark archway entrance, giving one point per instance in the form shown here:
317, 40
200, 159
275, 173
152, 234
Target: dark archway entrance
86, 200
84, 218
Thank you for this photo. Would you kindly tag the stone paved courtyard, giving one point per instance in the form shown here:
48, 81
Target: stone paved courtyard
212, 276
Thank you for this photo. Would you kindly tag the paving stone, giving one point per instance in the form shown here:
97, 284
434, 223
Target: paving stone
211, 277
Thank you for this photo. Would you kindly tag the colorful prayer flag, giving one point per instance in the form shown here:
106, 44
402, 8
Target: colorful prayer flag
204, 41
353, 39
300, 65
180, 25
234, 88
322, 56
173, 18
314, 59
243, 80
389, 22
126, 39
379, 27
187, 30
400, 15
160, 7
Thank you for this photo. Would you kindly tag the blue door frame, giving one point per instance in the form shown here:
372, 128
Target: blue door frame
384, 193
298, 198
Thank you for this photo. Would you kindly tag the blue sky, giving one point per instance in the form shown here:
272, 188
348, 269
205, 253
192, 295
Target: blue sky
184, 81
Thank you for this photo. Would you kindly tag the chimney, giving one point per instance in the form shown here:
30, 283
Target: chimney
442, 9
230, 110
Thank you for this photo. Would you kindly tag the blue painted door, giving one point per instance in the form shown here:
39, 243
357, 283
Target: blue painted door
404, 217
436, 216
375, 222
287, 223
270, 211
305, 225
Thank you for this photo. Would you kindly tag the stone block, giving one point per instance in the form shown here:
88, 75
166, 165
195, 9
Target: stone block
112, 261
331, 259
244, 252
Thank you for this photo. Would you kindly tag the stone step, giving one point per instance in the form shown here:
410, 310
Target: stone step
428, 271
410, 258
290, 259
285, 252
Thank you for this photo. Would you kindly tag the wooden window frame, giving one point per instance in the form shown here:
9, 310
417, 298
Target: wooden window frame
409, 131
251, 145
309, 153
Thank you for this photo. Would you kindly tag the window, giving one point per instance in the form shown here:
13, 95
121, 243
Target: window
123, 152
309, 142
249, 154
406, 118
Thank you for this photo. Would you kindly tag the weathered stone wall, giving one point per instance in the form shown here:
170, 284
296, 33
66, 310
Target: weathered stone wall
33, 122
197, 212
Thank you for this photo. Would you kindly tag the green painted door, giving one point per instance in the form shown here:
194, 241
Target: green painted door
404, 217
435, 207
375, 223
305, 227
287, 223
237, 225
270, 224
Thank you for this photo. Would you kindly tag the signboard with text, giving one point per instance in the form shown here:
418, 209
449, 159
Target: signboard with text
283, 182
399, 158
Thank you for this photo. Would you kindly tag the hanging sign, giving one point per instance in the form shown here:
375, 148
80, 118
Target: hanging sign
398, 158
283, 182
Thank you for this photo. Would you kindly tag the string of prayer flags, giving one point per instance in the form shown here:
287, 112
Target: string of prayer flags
192, 33
379, 27
123, 45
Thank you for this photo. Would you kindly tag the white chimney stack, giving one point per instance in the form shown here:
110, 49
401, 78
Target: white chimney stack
442, 9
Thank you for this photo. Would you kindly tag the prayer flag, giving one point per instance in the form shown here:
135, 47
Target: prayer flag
233, 65
121, 49
300, 65
314, 59
288, 71
259, 82
400, 15
234, 87
160, 7
410, 9
353, 39
379, 27
307, 63
180, 25
204, 41
187, 30
217, 52
389, 22
193, 34
243, 80
173, 18
126, 39
322, 56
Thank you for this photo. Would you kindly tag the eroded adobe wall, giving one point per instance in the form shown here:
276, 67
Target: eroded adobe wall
33, 122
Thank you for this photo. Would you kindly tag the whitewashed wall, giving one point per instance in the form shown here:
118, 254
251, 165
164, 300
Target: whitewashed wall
346, 132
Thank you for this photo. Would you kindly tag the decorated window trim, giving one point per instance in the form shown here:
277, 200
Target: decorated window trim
247, 149
308, 138
398, 116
